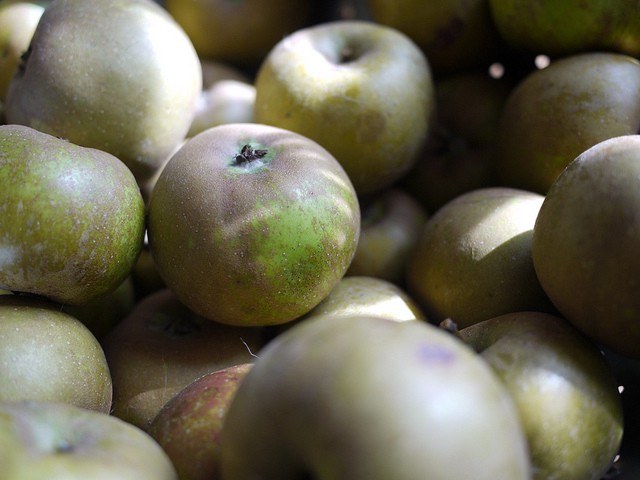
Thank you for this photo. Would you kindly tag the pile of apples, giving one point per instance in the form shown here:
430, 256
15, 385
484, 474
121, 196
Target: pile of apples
332, 240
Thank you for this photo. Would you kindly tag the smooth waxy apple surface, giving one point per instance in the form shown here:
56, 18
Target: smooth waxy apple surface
252, 225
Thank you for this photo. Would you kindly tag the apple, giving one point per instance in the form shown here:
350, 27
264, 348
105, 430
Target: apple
116, 75
238, 32
552, 115
371, 398
48, 355
252, 225
564, 389
73, 218
568, 27
214, 71
473, 259
58, 441
455, 35
390, 226
586, 243
361, 90
189, 425
161, 347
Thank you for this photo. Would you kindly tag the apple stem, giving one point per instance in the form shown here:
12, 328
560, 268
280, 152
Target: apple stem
249, 154
448, 325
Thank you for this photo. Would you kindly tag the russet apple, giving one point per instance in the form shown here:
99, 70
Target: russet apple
361, 90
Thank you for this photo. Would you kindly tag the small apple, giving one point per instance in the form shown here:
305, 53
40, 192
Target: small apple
116, 75
564, 389
58, 441
361, 90
161, 347
552, 115
72, 222
473, 259
214, 71
189, 425
252, 225
372, 399
586, 243
46, 354
390, 227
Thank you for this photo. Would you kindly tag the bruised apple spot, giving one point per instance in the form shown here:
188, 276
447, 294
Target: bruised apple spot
372, 124
429, 353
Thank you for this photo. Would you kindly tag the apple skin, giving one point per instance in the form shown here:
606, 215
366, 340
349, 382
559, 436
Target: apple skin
563, 387
473, 259
554, 114
256, 241
189, 426
73, 218
58, 441
589, 267
370, 398
161, 347
49, 355
361, 90
134, 99
568, 27
390, 227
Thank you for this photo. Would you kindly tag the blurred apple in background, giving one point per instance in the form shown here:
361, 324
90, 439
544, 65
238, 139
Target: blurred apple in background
161, 347
586, 243
189, 426
214, 71
455, 35
563, 387
49, 355
459, 155
368, 398
239, 32
361, 90
473, 259
552, 115
390, 227
58, 441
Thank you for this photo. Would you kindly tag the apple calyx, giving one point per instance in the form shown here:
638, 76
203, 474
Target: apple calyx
249, 155
174, 326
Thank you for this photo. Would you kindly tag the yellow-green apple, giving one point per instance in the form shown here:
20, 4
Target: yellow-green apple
238, 32
189, 426
362, 90
72, 222
568, 27
161, 347
473, 259
390, 227
251, 224
117, 75
554, 114
586, 243
18, 21
214, 70
58, 441
459, 154
49, 355
370, 398
564, 389
456, 35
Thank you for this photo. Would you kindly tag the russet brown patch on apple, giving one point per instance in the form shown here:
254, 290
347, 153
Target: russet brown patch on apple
372, 125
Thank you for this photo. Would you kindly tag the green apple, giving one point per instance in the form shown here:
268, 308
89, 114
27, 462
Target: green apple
390, 227
239, 32
554, 114
72, 222
370, 398
361, 90
189, 426
18, 21
564, 389
586, 243
161, 347
48, 355
569, 26
58, 441
251, 224
456, 35
473, 259
117, 75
